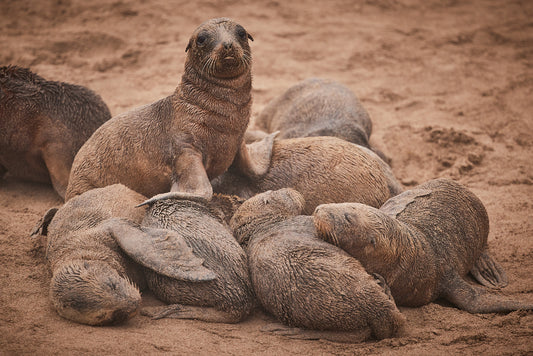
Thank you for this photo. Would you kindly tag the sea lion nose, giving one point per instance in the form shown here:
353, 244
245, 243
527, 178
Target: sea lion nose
227, 45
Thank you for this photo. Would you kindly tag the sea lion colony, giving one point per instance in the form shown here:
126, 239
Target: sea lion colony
179, 144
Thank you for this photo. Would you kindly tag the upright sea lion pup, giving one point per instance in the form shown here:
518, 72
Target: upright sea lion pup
423, 242
182, 141
43, 124
306, 282
322, 169
316, 107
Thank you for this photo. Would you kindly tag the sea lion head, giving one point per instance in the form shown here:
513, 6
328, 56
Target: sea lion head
265, 208
93, 293
219, 48
357, 228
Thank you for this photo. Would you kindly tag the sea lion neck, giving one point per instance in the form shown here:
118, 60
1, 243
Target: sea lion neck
204, 98
236, 90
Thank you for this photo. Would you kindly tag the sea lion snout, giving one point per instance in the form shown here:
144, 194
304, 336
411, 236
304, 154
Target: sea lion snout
221, 48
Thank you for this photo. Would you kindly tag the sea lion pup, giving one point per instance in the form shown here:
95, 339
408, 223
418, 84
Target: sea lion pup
306, 282
43, 124
94, 282
214, 285
316, 107
180, 142
423, 242
323, 169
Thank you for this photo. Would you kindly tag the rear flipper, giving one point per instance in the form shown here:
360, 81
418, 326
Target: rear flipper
488, 272
475, 299
304, 334
179, 311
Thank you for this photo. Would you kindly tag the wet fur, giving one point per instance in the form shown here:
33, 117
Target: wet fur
93, 281
180, 142
43, 124
317, 107
423, 242
323, 169
305, 282
229, 297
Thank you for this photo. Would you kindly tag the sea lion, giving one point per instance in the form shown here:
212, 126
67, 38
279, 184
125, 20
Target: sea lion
43, 124
94, 282
180, 142
316, 107
221, 291
323, 169
423, 242
306, 282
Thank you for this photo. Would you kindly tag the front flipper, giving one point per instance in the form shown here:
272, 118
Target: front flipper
163, 251
180, 311
305, 334
253, 160
189, 179
478, 300
174, 195
488, 272
42, 225
395, 205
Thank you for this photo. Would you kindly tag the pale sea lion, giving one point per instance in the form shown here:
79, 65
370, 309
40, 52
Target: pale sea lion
306, 282
180, 142
323, 169
316, 107
43, 124
94, 282
423, 242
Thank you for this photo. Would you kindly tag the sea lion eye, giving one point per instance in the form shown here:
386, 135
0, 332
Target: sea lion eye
241, 32
200, 40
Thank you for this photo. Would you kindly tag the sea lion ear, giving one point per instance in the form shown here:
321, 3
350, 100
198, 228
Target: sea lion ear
188, 45
250, 37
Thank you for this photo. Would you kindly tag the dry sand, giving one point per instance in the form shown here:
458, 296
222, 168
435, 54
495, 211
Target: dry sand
449, 85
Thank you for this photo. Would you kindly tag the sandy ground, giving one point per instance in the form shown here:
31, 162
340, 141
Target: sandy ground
449, 85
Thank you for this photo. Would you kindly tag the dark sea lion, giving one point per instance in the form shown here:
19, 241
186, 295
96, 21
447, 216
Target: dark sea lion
316, 107
94, 282
323, 169
306, 282
212, 283
423, 242
43, 124
180, 142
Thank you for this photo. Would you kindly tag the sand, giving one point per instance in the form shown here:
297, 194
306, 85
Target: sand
449, 86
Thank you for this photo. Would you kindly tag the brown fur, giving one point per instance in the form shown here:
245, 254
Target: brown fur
316, 107
423, 242
305, 282
180, 142
93, 281
323, 169
228, 298
43, 124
